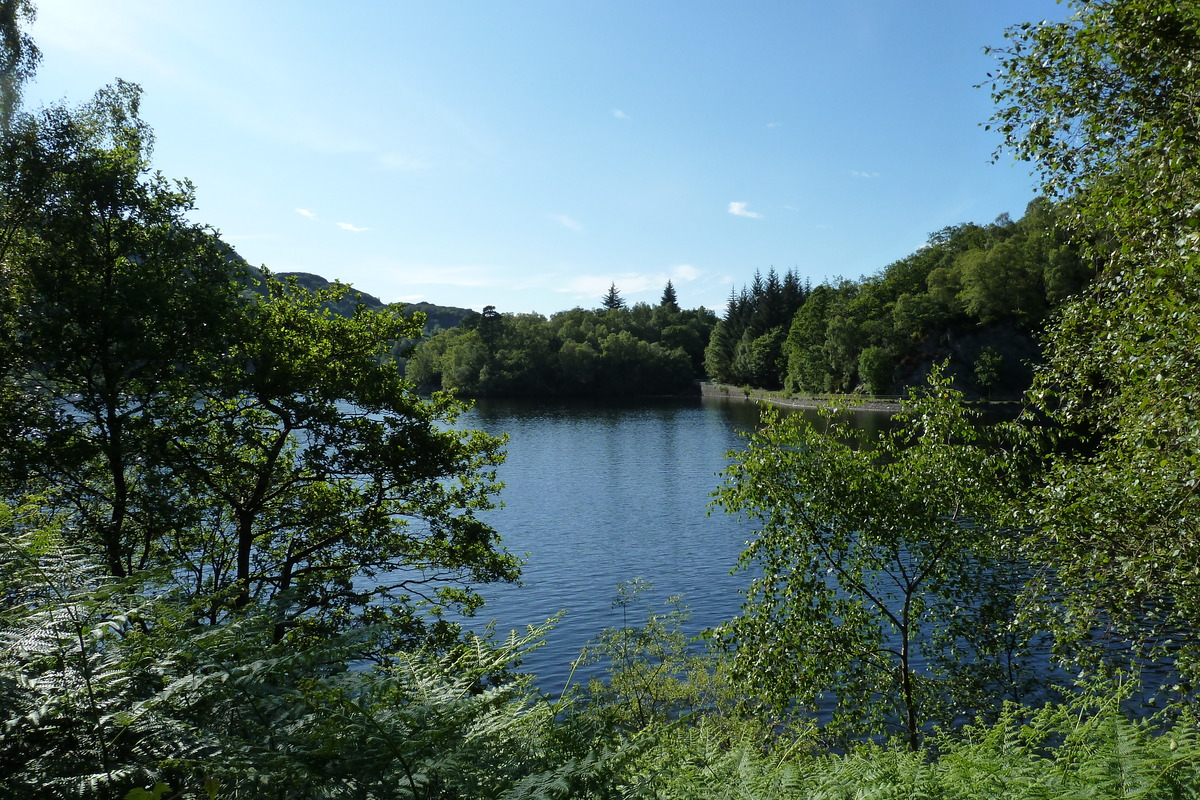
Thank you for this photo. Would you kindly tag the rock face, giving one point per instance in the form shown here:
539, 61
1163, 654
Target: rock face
315, 283
1018, 352
436, 317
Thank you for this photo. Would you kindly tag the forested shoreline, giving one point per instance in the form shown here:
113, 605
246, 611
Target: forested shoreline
977, 296
615, 350
234, 535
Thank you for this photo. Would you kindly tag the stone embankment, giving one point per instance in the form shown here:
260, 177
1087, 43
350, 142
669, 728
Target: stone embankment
883, 405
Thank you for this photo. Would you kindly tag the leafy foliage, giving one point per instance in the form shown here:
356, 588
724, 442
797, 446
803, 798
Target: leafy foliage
655, 673
261, 448
19, 56
747, 346
1103, 106
971, 289
117, 302
615, 352
247, 524
871, 566
97, 699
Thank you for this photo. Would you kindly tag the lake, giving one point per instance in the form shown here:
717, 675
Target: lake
600, 493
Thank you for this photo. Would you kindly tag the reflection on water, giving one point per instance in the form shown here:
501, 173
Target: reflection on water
600, 493
596, 494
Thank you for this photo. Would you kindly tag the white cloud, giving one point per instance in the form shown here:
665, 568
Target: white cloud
854, 173
567, 222
401, 163
346, 226
619, 114
739, 210
470, 276
629, 284
304, 212
774, 124
685, 272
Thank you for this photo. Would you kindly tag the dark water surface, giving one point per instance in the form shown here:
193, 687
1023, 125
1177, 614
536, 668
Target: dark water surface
597, 494
601, 493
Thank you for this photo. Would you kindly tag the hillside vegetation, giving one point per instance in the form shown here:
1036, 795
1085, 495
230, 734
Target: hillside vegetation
234, 538
615, 351
977, 295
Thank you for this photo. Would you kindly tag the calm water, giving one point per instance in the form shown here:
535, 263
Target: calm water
597, 494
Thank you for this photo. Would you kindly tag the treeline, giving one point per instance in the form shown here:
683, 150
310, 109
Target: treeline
746, 346
231, 536
976, 294
615, 350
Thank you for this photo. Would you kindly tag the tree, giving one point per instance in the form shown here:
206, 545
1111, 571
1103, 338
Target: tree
718, 354
876, 367
313, 464
103, 692
669, 301
613, 299
253, 448
808, 367
987, 369
19, 56
119, 303
872, 564
1103, 106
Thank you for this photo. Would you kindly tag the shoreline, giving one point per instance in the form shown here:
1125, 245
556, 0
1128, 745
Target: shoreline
880, 405
846, 402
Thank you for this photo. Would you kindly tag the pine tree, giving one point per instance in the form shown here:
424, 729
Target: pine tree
613, 299
669, 301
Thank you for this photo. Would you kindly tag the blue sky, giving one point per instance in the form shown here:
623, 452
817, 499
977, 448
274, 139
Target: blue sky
527, 154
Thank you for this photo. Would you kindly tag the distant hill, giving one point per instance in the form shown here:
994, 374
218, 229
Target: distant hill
345, 306
437, 318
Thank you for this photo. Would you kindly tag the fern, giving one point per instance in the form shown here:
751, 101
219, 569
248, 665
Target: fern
70, 702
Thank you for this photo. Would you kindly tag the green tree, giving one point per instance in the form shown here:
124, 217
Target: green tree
866, 558
613, 299
808, 367
669, 301
987, 369
844, 340
1103, 106
876, 366
690, 333
1000, 283
313, 463
760, 361
718, 354
104, 691
120, 303
19, 56
654, 672
258, 448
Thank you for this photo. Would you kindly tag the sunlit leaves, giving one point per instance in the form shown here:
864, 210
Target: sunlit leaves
1104, 106
863, 552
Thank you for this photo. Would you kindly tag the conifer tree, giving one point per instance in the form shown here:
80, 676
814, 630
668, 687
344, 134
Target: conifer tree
669, 301
613, 299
